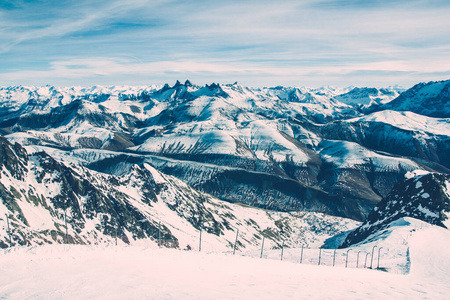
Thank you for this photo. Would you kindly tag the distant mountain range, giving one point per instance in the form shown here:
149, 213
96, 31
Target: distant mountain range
327, 150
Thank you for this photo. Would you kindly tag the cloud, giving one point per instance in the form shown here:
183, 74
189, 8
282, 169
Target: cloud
376, 4
106, 71
113, 41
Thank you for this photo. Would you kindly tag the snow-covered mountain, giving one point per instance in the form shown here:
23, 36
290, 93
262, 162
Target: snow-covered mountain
40, 194
368, 98
282, 148
400, 133
429, 99
424, 197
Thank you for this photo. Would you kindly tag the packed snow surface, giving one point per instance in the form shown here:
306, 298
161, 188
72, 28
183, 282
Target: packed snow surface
146, 272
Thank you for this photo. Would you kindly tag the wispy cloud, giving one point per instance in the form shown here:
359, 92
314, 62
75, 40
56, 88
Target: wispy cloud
257, 42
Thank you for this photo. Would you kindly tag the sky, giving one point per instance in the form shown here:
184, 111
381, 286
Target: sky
376, 43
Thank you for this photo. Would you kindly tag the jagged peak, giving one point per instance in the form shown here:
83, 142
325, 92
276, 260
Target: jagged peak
165, 88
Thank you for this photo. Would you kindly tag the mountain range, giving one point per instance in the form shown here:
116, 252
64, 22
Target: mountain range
137, 156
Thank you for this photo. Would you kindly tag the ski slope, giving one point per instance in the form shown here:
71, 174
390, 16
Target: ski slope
140, 272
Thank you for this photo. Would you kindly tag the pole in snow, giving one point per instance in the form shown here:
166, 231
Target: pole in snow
365, 261
9, 231
65, 221
235, 242
371, 259
301, 255
346, 258
320, 254
282, 249
262, 248
200, 242
159, 234
357, 258
379, 249
115, 230
334, 257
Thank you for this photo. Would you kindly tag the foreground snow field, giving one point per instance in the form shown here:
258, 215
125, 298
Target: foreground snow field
139, 272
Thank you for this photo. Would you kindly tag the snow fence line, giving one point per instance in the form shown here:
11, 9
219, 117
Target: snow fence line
348, 257
319, 256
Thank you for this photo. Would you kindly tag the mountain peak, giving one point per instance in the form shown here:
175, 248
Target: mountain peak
425, 197
429, 99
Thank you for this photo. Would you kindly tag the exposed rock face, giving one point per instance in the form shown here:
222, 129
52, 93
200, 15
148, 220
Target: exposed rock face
424, 197
38, 194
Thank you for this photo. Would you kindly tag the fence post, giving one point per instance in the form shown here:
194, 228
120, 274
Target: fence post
320, 254
346, 258
115, 230
301, 255
9, 231
159, 234
235, 242
282, 249
200, 242
357, 259
379, 249
334, 257
371, 259
65, 221
365, 262
262, 247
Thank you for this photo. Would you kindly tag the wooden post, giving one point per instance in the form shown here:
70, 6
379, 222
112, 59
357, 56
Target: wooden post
365, 261
282, 250
371, 259
379, 249
159, 234
357, 259
115, 230
334, 257
262, 248
346, 258
320, 254
9, 231
301, 255
65, 221
200, 242
235, 242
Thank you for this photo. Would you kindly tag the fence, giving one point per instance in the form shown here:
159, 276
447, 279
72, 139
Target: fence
349, 257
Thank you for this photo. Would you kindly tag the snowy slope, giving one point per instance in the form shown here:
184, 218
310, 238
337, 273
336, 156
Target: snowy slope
398, 133
368, 97
69, 272
352, 155
408, 121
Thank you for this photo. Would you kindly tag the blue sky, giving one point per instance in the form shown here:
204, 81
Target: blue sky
258, 43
